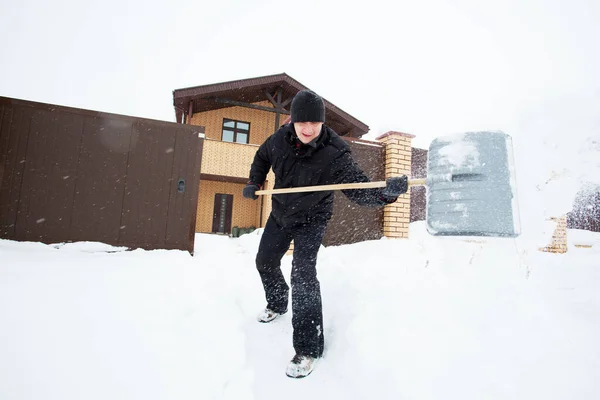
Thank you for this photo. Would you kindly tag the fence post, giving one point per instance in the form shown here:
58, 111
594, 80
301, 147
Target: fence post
559, 237
398, 156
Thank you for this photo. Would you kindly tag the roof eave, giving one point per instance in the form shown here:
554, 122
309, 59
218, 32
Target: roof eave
223, 87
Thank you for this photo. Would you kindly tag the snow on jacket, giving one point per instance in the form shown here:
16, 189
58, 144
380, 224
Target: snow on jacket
326, 160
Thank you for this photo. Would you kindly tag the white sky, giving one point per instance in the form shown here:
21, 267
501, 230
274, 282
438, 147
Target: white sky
424, 67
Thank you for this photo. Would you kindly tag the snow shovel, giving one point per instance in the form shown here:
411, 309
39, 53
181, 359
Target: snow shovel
471, 186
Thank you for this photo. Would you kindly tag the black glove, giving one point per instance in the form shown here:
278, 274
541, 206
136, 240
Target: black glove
250, 191
395, 186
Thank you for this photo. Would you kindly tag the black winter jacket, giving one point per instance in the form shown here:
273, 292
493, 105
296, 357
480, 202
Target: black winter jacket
327, 160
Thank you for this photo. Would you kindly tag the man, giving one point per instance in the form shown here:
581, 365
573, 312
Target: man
304, 152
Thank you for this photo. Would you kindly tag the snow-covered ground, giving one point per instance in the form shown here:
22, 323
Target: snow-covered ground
420, 319
425, 318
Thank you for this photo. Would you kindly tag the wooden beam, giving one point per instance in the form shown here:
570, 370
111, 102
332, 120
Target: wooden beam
271, 99
249, 105
277, 102
279, 90
190, 112
223, 178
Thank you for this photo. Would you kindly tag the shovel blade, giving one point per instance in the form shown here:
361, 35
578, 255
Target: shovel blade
471, 186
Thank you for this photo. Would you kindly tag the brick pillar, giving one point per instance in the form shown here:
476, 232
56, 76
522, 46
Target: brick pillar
398, 151
559, 237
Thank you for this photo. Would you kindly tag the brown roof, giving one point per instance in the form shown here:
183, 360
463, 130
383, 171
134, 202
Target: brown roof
215, 96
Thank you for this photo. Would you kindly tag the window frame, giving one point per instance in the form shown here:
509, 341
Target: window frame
235, 130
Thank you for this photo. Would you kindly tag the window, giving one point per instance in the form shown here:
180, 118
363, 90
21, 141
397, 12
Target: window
235, 131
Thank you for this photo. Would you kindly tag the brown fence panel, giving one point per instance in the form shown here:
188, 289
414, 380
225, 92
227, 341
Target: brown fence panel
418, 194
76, 175
101, 178
148, 185
352, 223
16, 136
185, 186
5, 117
48, 186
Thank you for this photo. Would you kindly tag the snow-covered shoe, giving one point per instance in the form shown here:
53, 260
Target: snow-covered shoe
300, 366
268, 315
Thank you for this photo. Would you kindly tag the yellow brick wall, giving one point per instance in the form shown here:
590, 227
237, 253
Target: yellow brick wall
559, 237
227, 159
262, 123
246, 212
398, 155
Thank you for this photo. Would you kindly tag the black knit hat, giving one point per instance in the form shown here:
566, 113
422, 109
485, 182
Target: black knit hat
307, 106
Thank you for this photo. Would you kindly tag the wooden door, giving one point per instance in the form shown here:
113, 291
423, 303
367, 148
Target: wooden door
222, 212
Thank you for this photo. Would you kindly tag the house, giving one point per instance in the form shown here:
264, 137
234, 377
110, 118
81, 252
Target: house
238, 116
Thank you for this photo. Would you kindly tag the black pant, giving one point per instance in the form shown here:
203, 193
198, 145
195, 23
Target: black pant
307, 318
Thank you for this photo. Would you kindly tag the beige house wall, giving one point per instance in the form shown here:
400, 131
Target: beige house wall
227, 159
267, 202
262, 123
246, 212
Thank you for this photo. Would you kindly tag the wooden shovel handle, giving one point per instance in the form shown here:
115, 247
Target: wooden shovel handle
341, 186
